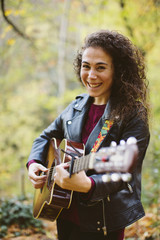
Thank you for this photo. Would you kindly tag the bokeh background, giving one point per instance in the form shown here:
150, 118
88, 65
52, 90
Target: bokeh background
38, 43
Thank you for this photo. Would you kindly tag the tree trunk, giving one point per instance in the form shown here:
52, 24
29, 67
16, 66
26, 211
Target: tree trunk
61, 51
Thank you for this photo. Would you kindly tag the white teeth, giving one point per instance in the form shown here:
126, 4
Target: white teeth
94, 85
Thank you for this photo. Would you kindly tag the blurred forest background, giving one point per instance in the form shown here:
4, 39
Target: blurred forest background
38, 42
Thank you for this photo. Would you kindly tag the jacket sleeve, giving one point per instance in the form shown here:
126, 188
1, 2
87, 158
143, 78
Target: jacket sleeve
57, 129
138, 129
40, 145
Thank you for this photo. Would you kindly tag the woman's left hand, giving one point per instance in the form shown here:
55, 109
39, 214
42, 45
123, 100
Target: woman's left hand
78, 182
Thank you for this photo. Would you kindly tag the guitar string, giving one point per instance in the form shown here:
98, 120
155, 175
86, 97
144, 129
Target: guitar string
83, 157
78, 165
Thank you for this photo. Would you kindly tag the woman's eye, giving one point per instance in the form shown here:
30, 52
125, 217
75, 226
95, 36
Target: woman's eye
85, 66
101, 68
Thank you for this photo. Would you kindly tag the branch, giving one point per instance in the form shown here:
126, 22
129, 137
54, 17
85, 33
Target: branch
122, 5
10, 22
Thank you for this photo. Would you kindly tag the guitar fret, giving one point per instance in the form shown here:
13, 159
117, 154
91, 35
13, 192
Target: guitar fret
84, 163
87, 161
81, 164
75, 167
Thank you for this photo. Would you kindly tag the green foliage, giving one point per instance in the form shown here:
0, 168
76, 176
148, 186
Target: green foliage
16, 211
29, 81
151, 173
30, 88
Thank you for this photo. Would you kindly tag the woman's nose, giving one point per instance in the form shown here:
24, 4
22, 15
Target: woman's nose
92, 74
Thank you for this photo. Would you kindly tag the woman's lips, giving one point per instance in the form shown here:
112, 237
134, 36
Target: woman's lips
94, 85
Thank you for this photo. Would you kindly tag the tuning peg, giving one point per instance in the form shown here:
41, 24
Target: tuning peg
115, 177
106, 177
113, 144
126, 177
107, 150
131, 140
122, 143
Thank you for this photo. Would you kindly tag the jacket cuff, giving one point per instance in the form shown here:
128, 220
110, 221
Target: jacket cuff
30, 162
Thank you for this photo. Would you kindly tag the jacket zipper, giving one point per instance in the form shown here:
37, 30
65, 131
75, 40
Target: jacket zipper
108, 198
104, 228
130, 188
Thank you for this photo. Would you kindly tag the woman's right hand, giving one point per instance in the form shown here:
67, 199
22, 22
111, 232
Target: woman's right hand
33, 174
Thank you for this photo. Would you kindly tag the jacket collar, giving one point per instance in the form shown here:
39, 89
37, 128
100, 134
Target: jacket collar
83, 99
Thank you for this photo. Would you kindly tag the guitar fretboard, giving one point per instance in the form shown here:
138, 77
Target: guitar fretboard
80, 164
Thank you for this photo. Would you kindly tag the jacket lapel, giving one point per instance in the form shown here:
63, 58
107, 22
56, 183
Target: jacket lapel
75, 125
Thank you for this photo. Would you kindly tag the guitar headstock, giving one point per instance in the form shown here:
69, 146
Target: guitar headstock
117, 161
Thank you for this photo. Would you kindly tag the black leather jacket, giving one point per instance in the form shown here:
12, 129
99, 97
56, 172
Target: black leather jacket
113, 205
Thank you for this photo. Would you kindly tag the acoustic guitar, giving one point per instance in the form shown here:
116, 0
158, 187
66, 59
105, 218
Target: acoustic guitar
115, 162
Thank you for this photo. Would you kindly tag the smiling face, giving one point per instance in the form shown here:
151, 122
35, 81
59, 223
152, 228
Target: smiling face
97, 74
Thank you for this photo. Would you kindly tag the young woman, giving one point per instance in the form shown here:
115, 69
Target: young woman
112, 70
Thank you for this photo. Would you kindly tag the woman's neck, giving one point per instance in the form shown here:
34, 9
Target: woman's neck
100, 101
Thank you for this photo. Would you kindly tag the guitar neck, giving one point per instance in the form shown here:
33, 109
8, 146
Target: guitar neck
113, 159
82, 163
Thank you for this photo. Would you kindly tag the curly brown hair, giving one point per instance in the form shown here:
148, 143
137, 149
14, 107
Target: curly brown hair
130, 86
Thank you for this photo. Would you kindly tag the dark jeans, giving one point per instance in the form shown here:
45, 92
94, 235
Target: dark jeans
69, 231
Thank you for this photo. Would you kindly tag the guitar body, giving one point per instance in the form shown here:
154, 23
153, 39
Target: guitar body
51, 199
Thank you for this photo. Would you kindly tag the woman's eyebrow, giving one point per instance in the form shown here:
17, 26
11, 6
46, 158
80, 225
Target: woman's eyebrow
99, 63
85, 62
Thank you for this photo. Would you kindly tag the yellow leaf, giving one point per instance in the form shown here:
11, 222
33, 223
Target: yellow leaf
11, 41
8, 12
